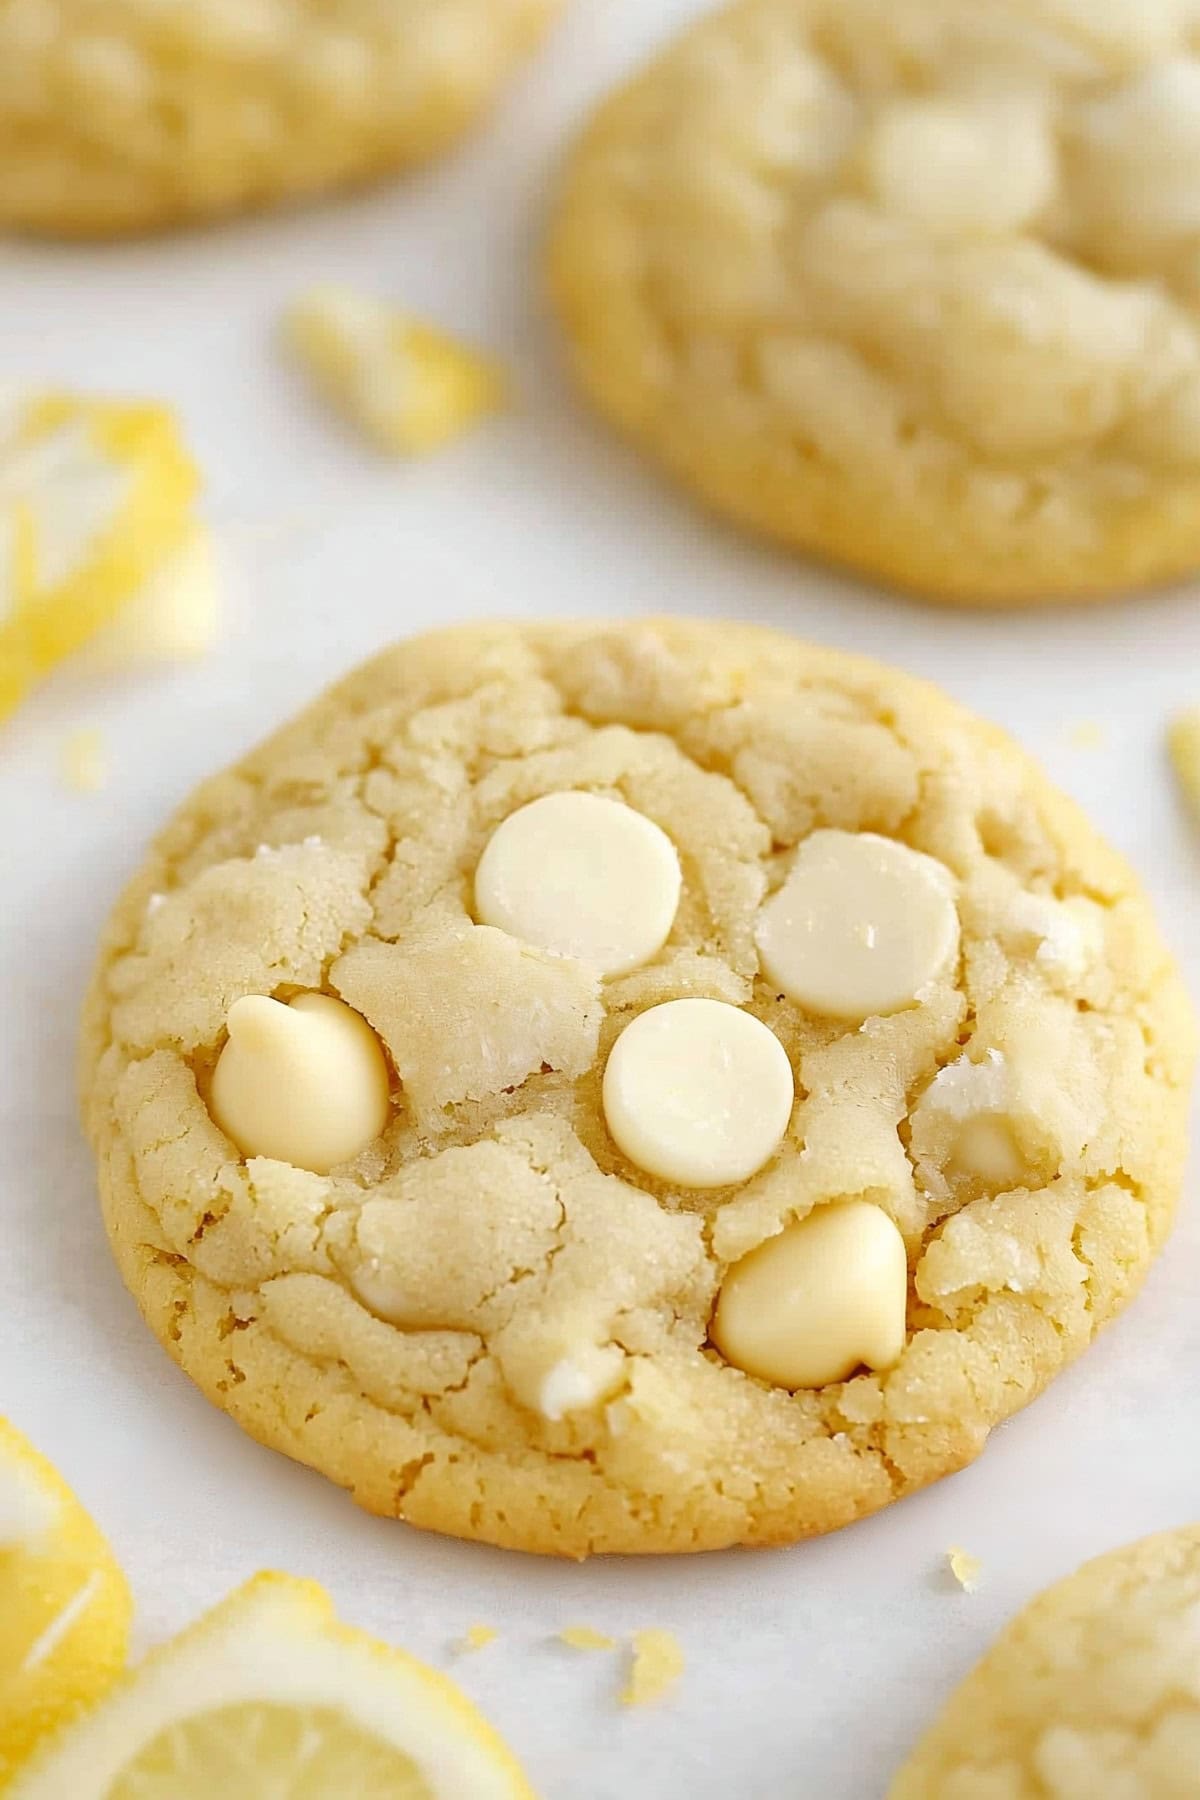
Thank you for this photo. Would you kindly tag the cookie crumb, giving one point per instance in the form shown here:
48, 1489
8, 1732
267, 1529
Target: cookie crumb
657, 1664
1085, 734
965, 1568
85, 761
1183, 743
583, 1637
407, 386
477, 1637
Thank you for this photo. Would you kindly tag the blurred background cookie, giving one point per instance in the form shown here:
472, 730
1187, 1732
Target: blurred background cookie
1093, 1689
124, 115
910, 284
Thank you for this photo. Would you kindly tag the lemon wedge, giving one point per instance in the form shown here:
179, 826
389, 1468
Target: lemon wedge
64, 1605
408, 387
174, 617
269, 1698
95, 495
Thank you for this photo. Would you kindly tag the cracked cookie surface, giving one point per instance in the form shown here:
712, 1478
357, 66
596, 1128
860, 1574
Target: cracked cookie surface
128, 115
491, 1323
910, 284
1093, 1689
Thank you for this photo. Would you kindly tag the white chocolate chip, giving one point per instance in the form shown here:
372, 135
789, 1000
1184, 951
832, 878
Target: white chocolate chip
698, 1092
304, 1083
583, 876
1067, 932
860, 926
967, 1122
579, 1381
810, 1306
1137, 144
985, 1146
953, 166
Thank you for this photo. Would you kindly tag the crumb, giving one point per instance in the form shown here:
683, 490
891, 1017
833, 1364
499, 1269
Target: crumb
965, 1568
475, 1637
408, 387
1086, 734
657, 1665
1183, 743
582, 1637
85, 762
155, 901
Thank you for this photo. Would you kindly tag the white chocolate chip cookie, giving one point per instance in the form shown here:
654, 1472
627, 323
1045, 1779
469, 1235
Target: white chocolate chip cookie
1091, 1693
478, 1124
912, 285
128, 115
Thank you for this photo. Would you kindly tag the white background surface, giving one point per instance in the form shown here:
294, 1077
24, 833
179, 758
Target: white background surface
809, 1670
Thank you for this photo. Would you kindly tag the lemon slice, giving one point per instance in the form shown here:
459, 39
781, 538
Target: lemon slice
174, 617
269, 1698
64, 1605
407, 386
94, 496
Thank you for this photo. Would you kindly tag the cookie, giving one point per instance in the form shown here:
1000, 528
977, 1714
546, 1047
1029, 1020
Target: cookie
122, 116
909, 284
1094, 1689
621, 1087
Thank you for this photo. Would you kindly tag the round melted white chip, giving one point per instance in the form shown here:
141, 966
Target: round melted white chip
859, 927
698, 1092
583, 876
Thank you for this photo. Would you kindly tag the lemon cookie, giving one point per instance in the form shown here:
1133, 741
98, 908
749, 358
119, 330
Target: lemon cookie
909, 284
494, 1111
123, 115
1093, 1690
